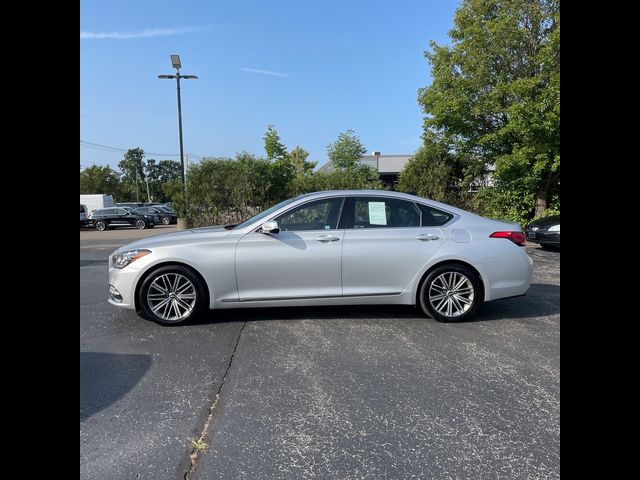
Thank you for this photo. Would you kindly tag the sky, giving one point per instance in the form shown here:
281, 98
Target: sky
311, 68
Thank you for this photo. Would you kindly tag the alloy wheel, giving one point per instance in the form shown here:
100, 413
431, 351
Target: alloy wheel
172, 297
451, 294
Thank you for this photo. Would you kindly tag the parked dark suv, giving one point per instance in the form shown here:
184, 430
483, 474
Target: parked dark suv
162, 215
120, 217
130, 204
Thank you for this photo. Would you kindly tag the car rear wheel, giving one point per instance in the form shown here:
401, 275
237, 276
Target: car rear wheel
166, 220
100, 225
172, 295
451, 293
140, 224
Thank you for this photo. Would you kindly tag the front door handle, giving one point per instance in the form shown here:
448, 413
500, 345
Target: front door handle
427, 236
327, 238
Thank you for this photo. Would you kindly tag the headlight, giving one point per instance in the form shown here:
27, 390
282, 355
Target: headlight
121, 260
555, 228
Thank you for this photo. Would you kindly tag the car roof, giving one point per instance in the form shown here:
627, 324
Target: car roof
382, 193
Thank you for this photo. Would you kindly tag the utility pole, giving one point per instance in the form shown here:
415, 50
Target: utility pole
175, 63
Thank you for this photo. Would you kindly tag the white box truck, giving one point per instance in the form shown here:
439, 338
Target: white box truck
96, 201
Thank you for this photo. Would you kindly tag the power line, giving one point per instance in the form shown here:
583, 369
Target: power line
108, 148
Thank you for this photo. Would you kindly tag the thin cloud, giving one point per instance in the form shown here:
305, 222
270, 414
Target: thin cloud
264, 72
156, 32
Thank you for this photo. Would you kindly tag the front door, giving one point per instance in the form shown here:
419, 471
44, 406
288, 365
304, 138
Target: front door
302, 260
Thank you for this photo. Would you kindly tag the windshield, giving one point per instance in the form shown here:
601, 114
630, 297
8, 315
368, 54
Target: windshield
265, 213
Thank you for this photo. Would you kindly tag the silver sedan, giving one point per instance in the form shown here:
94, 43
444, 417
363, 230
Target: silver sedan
327, 248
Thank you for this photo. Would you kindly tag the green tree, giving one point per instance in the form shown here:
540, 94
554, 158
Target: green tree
225, 190
495, 96
345, 152
356, 178
282, 170
157, 174
97, 179
298, 158
434, 172
273, 145
132, 167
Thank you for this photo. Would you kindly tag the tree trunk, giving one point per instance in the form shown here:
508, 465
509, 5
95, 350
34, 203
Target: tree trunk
541, 197
541, 202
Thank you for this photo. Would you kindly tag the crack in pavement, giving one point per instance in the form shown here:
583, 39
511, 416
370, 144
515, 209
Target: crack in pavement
195, 452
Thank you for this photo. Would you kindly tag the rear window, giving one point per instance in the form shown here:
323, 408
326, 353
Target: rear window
432, 217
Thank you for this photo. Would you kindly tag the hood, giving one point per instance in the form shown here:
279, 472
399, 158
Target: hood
194, 235
546, 222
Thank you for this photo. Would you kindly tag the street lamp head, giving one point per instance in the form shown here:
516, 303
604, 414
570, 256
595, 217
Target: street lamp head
166, 76
175, 61
189, 77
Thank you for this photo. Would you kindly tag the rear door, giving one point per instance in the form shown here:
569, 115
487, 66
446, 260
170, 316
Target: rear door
121, 217
386, 244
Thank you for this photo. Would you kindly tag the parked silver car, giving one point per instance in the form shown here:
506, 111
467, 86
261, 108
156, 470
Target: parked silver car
327, 248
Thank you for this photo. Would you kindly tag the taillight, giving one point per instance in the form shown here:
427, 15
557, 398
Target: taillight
516, 237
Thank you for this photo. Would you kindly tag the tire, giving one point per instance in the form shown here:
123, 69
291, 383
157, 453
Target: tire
160, 286
166, 220
438, 300
140, 224
100, 225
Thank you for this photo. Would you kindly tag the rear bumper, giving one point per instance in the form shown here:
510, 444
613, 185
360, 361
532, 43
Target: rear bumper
506, 278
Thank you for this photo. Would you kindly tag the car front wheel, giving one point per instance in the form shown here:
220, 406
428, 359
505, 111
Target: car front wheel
100, 225
451, 293
172, 295
140, 224
166, 220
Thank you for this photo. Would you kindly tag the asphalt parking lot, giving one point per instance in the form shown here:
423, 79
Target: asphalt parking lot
346, 393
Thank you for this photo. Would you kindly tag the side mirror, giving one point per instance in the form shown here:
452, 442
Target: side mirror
270, 227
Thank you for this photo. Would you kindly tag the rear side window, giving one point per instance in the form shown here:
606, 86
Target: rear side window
381, 212
432, 217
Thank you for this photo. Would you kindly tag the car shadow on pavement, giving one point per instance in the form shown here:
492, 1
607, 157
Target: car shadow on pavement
107, 377
541, 300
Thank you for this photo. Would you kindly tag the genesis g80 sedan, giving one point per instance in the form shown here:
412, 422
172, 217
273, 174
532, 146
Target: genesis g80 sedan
327, 248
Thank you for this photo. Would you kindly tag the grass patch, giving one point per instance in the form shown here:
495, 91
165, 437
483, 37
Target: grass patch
199, 446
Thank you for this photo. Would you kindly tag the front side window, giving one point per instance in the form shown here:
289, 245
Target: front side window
318, 215
381, 212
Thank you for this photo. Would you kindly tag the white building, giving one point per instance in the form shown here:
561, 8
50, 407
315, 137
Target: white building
387, 166
390, 166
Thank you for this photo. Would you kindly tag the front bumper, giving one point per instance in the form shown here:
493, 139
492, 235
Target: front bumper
122, 285
543, 236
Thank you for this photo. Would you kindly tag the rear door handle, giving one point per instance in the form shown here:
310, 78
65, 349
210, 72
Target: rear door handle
427, 236
327, 238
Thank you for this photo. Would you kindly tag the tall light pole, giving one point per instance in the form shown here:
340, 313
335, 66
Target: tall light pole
175, 63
